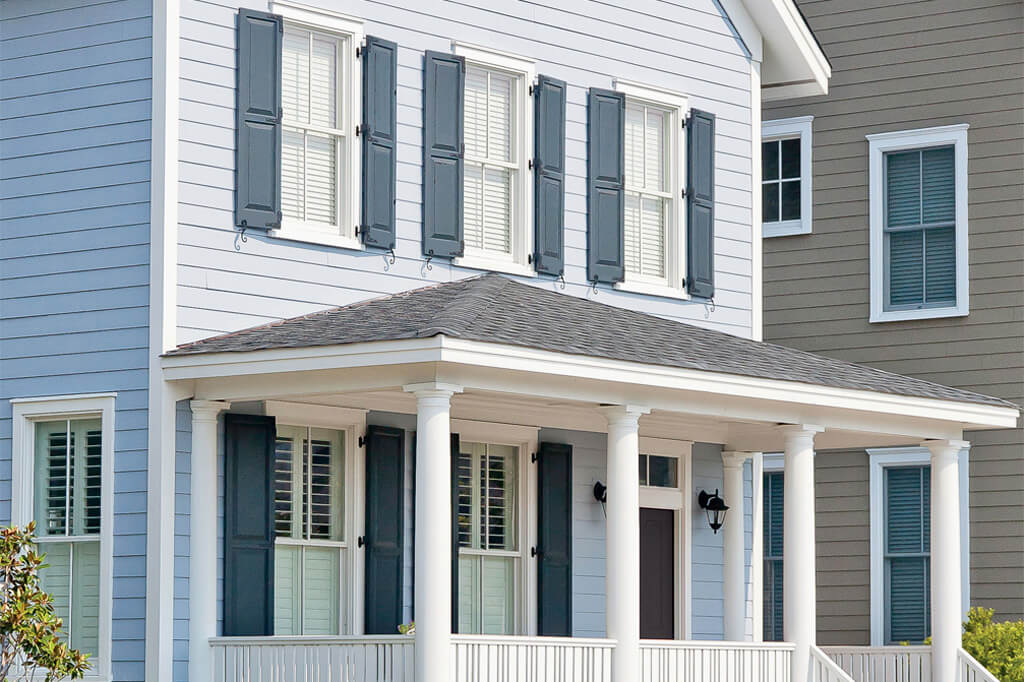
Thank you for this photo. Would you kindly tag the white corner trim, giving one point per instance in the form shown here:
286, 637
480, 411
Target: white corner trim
879, 459
878, 145
756, 230
25, 415
799, 127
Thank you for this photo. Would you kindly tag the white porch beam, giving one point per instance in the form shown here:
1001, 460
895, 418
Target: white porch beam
945, 557
799, 602
733, 564
202, 567
433, 568
622, 564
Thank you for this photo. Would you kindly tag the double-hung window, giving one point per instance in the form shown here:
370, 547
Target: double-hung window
653, 230
309, 544
786, 177
498, 137
490, 560
919, 224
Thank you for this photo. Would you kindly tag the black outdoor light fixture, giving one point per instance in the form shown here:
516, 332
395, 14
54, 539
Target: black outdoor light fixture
715, 508
600, 492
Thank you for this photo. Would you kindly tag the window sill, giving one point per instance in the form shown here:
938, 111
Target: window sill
785, 228
917, 314
476, 262
307, 236
649, 289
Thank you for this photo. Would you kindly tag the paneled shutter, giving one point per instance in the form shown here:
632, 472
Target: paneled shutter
258, 141
455, 531
606, 114
380, 68
554, 546
700, 223
907, 545
549, 177
444, 77
248, 525
385, 508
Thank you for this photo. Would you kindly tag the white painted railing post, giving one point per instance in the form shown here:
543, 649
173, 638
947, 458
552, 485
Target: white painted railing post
202, 567
433, 568
799, 607
945, 557
733, 568
622, 611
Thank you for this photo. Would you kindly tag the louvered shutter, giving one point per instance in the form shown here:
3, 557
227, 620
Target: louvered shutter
700, 224
455, 531
248, 525
907, 545
606, 111
385, 479
554, 540
549, 176
258, 135
378, 130
443, 151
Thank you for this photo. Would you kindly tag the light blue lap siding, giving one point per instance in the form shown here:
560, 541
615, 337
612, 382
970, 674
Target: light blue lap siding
74, 247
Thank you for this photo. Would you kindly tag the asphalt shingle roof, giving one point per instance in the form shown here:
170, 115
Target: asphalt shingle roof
493, 308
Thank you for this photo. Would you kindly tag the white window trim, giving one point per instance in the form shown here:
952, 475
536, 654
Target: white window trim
675, 266
790, 128
525, 72
878, 145
349, 176
526, 439
26, 413
353, 423
880, 459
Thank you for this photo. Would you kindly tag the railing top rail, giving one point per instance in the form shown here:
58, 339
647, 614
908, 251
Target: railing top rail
891, 649
715, 644
981, 671
535, 641
303, 640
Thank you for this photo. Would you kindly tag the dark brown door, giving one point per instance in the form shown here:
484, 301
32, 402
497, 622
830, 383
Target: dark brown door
657, 569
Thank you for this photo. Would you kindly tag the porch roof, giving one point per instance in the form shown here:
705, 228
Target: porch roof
493, 308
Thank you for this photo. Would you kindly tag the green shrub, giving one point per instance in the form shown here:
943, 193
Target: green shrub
997, 646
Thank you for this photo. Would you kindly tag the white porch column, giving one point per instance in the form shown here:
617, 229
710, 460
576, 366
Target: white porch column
622, 564
433, 562
733, 564
945, 557
799, 607
202, 567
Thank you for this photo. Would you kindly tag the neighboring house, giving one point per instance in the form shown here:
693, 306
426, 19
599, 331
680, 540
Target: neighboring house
912, 261
320, 319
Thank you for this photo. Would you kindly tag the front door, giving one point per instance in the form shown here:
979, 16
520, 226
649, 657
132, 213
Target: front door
657, 573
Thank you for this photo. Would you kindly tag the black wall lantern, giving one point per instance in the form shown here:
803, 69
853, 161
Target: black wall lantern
715, 508
600, 492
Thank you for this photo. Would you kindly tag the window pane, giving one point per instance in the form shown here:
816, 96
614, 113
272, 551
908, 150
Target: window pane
320, 590
498, 585
497, 213
770, 202
499, 117
938, 185
293, 171
791, 200
652, 231
908, 600
634, 146
654, 163
469, 594
906, 268
284, 500
325, 485
68, 467
295, 75
663, 472
72, 579
55, 579
465, 481
287, 589
631, 232
940, 265
903, 189
770, 160
324, 79
790, 158
321, 182
475, 112
906, 509
498, 497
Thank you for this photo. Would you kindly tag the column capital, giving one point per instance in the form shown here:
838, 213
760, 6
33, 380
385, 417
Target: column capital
623, 414
798, 432
735, 459
432, 389
207, 410
947, 448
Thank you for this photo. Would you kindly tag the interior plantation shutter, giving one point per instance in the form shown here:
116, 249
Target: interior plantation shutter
907, 545
554, 540
549, 176
258, 124
385, 508
606, 115
378, 131
249, 442
700, 223
773, 525
444, 78
455, 531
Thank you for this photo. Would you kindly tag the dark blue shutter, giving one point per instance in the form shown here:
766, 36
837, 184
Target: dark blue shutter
455, 531
385, 508
554, 540
606, 182
549, 177
248, 525
380, 69
772, 496
258, 140
907, 545
700, 222
443, 85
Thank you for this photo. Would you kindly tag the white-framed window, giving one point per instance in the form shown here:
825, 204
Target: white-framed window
900, 508
497, 186
320, 97
62, 478
786, 150
655, 162
918, 217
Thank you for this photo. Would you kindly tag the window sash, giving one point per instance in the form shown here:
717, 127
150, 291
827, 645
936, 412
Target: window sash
299, 504
72, 578
649, 248
306, 601
68, 477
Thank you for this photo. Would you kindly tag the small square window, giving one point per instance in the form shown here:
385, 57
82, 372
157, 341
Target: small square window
786, 177
657, 471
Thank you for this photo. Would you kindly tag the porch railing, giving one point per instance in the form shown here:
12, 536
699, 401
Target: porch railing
675, 661
969, 670
825, 669
531, 659
312, 659
884, 663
